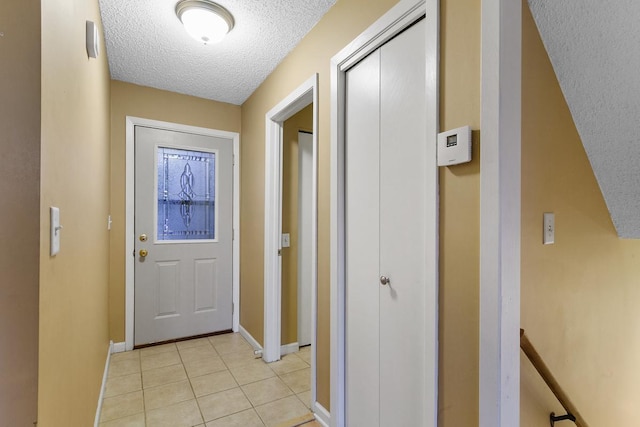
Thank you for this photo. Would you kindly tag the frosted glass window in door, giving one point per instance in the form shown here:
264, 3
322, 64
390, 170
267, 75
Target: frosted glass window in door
186, 194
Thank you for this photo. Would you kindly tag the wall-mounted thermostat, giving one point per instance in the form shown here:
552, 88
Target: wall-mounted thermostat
454, 146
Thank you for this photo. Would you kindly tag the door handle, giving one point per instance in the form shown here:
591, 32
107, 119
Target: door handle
143, 253
385, 280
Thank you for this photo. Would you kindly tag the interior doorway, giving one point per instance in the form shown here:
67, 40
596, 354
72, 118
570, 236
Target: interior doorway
283, 226
297, 177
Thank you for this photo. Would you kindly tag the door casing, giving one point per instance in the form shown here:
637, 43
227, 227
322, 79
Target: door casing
401, 16
131, 122
305, 94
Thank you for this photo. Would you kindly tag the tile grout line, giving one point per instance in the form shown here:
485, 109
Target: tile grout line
191, 385
253, 407
144, 406
122, 394
228, 369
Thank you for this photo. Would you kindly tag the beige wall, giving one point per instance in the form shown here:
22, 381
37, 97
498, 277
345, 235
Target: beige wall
20, 213
460, 191
459, 217
579, 296
303, 120
75, 177
148, 103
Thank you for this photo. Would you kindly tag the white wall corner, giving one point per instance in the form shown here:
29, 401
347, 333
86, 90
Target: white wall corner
499, 364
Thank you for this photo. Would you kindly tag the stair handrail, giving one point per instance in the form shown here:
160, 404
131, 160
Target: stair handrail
537, 362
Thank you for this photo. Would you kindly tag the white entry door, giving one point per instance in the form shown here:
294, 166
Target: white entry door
385, 235
183, 228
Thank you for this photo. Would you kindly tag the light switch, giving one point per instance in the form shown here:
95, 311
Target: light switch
286, 240
56, 229
549, 225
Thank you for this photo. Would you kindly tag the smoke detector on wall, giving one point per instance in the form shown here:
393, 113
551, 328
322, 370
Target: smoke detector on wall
93, 40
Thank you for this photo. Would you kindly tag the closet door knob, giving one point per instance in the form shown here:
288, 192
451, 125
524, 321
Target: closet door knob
384, 280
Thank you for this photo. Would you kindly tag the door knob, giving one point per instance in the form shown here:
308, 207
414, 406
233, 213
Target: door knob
384, 280
143, 237
143, 253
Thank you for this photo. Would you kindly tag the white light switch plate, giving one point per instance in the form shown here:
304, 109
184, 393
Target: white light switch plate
55, 230
549, 232
286, 240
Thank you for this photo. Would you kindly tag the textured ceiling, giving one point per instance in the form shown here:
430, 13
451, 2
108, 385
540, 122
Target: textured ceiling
594, 47
147, 45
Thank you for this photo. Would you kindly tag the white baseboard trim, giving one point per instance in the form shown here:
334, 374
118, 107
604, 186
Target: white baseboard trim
251, 340
289, 348
119, 347
96, 421
322, 415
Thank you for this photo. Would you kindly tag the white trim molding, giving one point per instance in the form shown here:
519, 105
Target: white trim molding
250, 339
257, 348
401, 16
499, 381
289, 348
103, 387
322, 415
131, 123
119, 347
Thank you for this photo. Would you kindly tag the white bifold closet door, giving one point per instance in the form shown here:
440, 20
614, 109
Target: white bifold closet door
386, 235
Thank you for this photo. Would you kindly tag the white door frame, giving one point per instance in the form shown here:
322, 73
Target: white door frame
500, 193
131, 122
305, 94
393, 22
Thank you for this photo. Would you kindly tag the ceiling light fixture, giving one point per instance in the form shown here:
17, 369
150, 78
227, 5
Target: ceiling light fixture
204, 20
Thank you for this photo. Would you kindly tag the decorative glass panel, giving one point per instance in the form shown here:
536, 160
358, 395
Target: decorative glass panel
186, 194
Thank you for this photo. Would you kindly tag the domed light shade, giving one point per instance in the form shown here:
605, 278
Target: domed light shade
205, 21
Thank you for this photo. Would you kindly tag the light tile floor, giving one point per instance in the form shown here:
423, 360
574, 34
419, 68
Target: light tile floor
206, 382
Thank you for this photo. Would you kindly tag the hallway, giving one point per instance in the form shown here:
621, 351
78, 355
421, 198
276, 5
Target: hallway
206, 382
